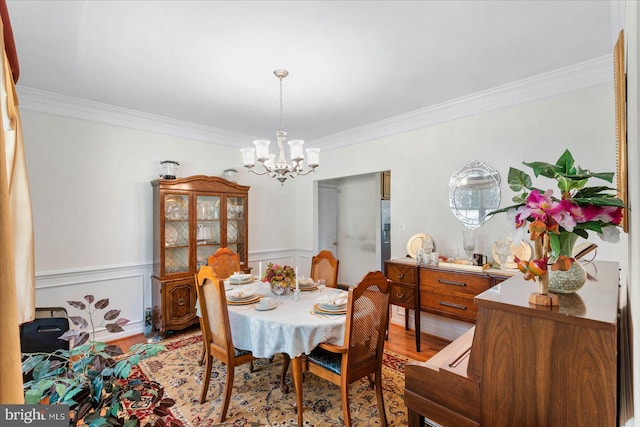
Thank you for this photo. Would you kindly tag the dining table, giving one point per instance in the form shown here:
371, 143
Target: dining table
293, 327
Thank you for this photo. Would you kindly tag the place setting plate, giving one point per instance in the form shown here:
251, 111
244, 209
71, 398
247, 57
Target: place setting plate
271, 307
335, 310
245, 301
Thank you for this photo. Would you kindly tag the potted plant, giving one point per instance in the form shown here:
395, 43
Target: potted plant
92, 377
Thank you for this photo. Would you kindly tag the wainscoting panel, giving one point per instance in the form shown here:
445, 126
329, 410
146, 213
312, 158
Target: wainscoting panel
126, 287
292, 257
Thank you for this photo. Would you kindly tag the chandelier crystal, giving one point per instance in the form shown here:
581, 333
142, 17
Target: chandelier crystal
280, 168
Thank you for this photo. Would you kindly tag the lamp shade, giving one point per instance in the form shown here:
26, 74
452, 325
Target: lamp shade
295, 145
313, 156
248, 156
262, 149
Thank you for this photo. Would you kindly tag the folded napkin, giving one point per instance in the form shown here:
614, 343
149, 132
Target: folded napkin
306, 282
240, 293
334, 299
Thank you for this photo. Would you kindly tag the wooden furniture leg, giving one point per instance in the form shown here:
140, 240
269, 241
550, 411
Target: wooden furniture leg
284, 388
296, 375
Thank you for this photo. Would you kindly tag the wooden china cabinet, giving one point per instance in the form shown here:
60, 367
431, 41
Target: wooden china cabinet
192, 218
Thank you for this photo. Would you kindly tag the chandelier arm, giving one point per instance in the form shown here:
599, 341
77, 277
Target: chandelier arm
313, 169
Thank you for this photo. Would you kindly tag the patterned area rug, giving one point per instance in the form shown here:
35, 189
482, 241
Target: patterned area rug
256, 399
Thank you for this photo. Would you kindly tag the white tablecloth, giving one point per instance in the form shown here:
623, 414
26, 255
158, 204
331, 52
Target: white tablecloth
289, 328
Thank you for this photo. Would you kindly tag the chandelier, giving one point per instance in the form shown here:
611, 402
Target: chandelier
280, 169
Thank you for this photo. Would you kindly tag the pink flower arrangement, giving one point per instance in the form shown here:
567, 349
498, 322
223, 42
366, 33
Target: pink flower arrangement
280, 273
557, 222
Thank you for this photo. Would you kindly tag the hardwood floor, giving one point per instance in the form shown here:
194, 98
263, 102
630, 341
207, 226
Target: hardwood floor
400, 341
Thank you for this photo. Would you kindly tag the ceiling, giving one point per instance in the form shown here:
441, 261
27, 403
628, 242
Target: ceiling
351, 63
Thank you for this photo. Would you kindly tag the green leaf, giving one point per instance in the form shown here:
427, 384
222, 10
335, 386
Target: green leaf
542, 168
594, 191
565, 163
42, 370
518, 180
600, 201
126, 370
119, 367
33, 396
99, 422
61, 389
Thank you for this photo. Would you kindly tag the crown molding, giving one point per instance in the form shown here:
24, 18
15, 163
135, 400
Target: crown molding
63, 105
575, 77
579, 76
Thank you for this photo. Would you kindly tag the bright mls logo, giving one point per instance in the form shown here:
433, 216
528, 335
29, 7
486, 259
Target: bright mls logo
34, 415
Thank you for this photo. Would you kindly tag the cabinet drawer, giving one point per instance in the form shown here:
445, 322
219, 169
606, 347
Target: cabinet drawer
403, 295
401, 273
456, 305
448, 281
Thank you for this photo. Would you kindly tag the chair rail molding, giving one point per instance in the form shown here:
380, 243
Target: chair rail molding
128, 288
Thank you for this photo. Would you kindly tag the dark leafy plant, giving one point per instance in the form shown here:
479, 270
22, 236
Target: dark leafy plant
92, 377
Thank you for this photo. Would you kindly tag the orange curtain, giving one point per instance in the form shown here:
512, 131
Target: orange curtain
17, 289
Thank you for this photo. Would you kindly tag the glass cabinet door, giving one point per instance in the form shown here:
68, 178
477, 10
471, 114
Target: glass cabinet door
236, 233
207, 228
176, 233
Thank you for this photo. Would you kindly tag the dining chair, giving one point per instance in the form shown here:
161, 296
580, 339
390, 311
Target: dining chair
216, 333
224, 263
361, 352
325, 266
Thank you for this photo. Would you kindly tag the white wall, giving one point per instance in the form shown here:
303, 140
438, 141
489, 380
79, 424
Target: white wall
422, 161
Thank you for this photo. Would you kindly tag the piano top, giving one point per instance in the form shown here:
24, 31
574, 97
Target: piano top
594, 302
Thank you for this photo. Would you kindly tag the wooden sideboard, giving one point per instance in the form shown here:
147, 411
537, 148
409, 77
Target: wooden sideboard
441, 291
526, 365
403, 274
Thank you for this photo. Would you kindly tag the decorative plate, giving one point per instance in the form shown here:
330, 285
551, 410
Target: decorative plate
232, 233
522, 251
170, 235
415, 243
175, 207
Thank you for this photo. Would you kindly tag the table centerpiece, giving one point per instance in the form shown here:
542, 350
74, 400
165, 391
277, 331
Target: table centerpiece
282, 278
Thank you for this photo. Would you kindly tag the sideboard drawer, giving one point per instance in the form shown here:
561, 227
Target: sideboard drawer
448, 281
455, 305
401, 273
403, 295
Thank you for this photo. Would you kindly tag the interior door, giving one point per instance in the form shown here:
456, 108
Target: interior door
328, 218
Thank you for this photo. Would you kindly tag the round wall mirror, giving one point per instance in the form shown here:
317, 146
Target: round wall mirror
474, 191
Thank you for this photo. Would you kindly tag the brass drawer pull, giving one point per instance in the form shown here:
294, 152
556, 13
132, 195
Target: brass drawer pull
399, 275
451, 282
452, 305
181, 302
399, 295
